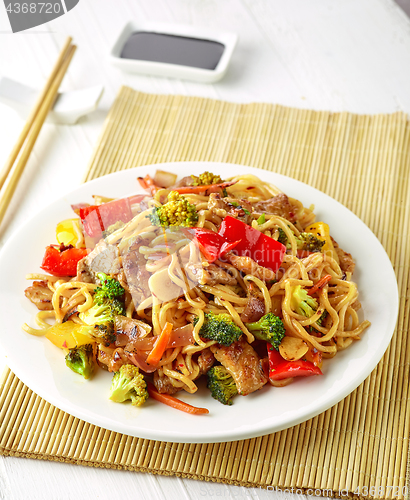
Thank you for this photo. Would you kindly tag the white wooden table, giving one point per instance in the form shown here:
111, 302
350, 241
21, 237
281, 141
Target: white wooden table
352, 55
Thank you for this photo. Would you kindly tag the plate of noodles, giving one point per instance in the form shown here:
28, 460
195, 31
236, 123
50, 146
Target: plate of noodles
248, 300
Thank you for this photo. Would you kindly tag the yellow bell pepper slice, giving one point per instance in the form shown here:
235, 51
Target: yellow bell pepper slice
67, 232
69, 335
321, 231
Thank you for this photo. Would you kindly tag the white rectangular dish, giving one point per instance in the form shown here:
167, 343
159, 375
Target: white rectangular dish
228, 40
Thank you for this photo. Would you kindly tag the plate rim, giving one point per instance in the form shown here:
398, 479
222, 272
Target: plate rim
264, 429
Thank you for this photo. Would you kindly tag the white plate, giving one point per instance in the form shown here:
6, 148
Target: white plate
41, 366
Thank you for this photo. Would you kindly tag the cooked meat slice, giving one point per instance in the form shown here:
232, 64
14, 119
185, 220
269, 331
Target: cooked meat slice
164, 385
136, 276
346, 262
40, 295
249, 266
242, 362
254, 310
111, 359
205, 360
278, 205
238, 208
84, 273
103, 259
129, 329
210, 275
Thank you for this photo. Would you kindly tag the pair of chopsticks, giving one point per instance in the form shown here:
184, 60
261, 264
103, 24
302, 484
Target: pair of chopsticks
17, 160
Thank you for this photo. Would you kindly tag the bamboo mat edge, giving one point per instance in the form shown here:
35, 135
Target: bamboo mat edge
336, 120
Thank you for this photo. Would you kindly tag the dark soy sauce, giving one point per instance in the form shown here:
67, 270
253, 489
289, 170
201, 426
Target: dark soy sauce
173, 49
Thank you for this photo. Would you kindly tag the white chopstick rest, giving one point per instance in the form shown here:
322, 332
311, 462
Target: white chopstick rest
68, 108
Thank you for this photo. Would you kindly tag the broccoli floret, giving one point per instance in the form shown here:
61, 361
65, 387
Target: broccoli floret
98, 314
81, 360
177, 211
108, 302
206, 179
219, 327
309, 242
305, 241
221, 384
110, 289
303, 303
269, 328
104, 333
128, 383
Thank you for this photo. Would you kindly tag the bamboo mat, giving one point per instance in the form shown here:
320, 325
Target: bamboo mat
358, 447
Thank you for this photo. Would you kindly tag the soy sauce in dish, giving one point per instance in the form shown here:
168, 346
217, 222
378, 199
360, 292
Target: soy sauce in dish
173, 49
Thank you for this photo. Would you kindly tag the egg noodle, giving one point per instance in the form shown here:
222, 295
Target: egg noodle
333, 326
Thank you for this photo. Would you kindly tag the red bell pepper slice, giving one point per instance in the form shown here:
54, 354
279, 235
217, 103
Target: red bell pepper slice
264, 250
63, 261
279, 368
211, 244
97, 218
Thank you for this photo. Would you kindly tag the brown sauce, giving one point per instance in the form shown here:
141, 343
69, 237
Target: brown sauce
173, 49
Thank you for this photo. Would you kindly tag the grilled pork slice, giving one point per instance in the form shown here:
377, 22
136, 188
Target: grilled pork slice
254, 310
40, 295
238, 208
278, 205
134, 275
111, 359
103, 259
163, 384
205, 361
346, 262
210, 275
249, 266
242, 362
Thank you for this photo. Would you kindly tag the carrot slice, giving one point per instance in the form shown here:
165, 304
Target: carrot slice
201, 189
160, 345
151, 184
148, 183
169, 400
320, 284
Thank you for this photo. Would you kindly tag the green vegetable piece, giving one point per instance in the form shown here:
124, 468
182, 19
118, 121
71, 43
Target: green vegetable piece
221, 384
305, 241
109, 289
108, 302
269, 328
261, 219
282, 238
177, 211
81, 360
128, 384
303, 303
309, 242
219, 327
206, 179
322, 318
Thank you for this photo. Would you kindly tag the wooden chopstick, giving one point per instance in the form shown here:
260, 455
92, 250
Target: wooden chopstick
29, 134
